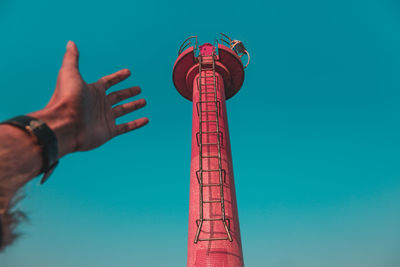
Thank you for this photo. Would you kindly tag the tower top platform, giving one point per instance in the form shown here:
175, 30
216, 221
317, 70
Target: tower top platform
228, 64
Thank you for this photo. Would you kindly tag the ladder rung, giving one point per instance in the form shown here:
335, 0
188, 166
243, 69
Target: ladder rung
222, 171
199, 136
208, 132
208, 121
206, 61
212, 239
208, 76
209, 111
208, 220
208, 96
209, 101
200, 172
209, 157
209, 144
213, 170
213, 219
210, 185
206, 83
211, 201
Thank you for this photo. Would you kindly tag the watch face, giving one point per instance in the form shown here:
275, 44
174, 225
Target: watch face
33, 124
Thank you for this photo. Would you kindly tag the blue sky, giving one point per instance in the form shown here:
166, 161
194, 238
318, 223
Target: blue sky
314, 131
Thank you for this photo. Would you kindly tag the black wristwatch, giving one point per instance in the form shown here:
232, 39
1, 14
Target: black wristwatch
46, 138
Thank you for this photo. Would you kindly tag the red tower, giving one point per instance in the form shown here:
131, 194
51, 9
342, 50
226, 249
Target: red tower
207, 76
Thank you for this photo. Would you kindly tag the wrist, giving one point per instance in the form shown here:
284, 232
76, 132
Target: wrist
62, 126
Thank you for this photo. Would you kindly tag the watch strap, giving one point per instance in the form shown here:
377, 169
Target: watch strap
46, 139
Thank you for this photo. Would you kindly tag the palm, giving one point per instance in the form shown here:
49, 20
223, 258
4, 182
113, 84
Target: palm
89, 105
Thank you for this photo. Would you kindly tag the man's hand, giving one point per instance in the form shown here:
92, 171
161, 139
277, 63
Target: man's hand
82, 115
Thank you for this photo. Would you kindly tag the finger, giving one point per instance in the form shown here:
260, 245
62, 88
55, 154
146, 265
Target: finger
132, 125
120, 95
71, 56
128, 107
113, 79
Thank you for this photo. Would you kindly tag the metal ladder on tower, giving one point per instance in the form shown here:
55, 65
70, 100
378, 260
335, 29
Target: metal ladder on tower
205, 62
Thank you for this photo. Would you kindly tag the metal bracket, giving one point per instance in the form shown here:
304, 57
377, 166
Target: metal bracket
236, 46
216, 170
205, 102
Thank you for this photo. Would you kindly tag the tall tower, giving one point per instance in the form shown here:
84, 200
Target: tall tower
207, 75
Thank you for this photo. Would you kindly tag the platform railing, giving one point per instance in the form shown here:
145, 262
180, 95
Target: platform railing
225, 40
190, 41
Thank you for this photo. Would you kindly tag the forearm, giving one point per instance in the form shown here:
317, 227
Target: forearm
21, 157
20, 161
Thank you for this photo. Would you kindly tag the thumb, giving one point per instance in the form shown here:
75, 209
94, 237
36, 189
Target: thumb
71, 56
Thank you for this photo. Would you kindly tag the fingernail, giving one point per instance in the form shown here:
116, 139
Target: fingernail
69, 44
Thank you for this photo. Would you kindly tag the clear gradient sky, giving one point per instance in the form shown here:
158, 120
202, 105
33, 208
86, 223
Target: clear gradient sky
315, 131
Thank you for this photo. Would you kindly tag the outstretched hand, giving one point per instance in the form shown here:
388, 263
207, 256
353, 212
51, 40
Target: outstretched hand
87, 109
81, 115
